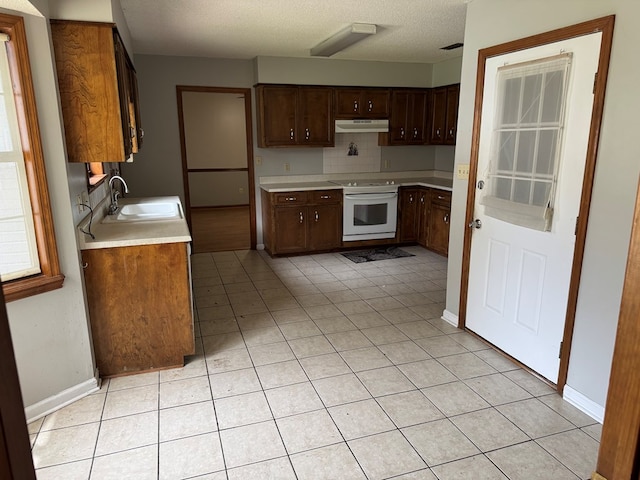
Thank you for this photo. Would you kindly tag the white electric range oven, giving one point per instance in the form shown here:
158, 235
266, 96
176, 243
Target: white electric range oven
370, 209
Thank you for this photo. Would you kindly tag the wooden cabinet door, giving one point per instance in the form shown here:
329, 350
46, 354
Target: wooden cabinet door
438, 234
438, 115
122, 70
277, 113
325, 227
451, 122
290, 229
375, 103
424, 203
408, 214
418, 119
314, 117
348, 102
399, 114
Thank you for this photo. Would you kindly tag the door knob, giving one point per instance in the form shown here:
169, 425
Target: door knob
477, 223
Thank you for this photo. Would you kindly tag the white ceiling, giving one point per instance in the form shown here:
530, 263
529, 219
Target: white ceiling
408, 30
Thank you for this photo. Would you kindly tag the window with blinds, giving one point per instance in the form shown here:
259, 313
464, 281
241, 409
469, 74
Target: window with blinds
18, 247
525, 152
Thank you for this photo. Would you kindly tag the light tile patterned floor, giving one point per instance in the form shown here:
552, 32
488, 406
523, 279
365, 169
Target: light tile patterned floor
314, 367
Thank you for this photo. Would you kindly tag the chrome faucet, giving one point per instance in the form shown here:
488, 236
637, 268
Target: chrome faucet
114, 194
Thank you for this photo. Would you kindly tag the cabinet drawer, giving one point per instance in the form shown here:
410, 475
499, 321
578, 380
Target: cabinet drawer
326, 196
441, 197
290, 198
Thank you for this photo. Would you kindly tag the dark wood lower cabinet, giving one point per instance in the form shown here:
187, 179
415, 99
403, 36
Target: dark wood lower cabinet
302, 222
423, 217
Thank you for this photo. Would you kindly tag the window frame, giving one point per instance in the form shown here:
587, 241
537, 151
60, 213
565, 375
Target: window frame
50, 277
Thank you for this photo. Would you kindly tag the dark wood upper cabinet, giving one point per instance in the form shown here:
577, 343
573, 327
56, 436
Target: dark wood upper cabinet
444, 115
408, 120
295, 116
98, 92
362, 103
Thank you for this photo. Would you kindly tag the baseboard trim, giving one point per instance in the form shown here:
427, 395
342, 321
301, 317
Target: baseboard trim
260, 246
62, 399
582, 403
449, 317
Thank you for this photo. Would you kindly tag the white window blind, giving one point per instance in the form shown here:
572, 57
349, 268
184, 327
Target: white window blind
18, 249
529, 119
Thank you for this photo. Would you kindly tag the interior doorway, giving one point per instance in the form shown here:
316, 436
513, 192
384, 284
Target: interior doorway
217, 165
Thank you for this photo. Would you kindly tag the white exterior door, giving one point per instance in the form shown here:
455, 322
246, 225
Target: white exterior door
519, 276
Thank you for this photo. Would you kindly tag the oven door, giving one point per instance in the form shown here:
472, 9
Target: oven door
369, 216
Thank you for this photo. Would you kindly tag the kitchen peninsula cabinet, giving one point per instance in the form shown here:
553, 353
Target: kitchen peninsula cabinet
302, 221
98, 92
408, 118
362, 103
295, 116
444, 115
139, 300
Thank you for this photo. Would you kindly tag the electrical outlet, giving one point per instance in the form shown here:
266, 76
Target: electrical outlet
258, 161
79, 203
463, 171
241, 190
85, 197
386, 164
287, 167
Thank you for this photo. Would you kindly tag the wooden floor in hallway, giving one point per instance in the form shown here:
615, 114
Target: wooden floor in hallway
220, 229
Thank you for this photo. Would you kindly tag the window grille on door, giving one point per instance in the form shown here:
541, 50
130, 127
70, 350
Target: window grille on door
527, 134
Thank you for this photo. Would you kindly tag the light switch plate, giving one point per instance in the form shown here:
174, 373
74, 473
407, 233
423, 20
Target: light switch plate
462, 172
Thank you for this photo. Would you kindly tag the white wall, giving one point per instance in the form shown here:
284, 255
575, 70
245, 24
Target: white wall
616, 172
50, 331
446, 72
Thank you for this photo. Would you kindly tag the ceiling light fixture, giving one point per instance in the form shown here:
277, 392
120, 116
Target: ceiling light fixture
343, 39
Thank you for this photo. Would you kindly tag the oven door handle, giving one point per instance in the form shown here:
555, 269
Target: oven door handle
370, 196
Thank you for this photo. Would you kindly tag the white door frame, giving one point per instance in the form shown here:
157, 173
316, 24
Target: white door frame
604, 25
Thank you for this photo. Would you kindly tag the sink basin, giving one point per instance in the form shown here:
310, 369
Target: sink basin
144, 212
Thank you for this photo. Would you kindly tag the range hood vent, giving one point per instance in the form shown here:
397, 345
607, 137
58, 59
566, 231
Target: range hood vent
362, 126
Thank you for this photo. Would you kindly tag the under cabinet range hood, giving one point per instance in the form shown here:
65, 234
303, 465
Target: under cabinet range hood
362, 126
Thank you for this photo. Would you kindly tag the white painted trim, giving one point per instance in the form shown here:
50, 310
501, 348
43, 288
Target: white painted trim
449, 317
62, 399
582, 403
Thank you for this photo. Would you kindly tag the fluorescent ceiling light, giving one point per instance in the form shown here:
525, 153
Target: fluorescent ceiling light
343, 39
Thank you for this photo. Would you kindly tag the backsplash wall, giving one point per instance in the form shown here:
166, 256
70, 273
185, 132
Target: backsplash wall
365, 154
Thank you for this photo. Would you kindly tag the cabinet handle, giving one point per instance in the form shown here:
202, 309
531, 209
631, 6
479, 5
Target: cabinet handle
141, 130
446, 218
355, 105
401, 132
132, 132
451, 132
415, 133
437, 132
291, 134
301, 217
410, 198
370, 106
422, 199
440, 197
306, 134
85, 265
325, 197
291, 199
316, 216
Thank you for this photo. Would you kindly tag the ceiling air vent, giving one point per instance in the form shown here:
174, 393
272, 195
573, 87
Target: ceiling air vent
453, 46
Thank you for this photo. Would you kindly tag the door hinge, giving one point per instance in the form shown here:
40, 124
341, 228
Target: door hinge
595, 81
575, 232
560, 350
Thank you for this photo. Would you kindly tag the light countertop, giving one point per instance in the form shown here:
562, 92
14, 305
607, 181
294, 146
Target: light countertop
433, 182
126, 234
